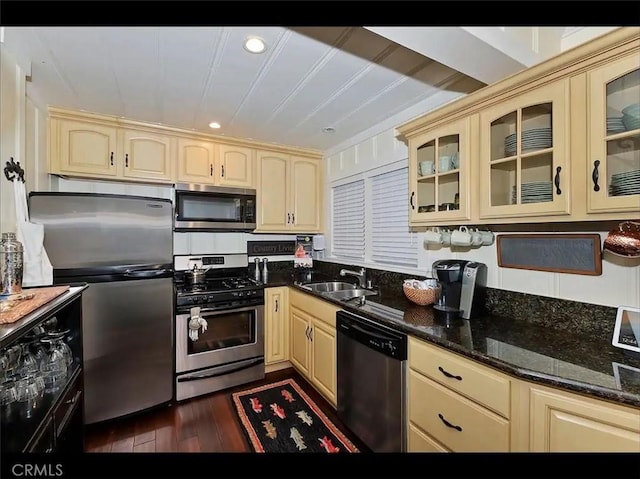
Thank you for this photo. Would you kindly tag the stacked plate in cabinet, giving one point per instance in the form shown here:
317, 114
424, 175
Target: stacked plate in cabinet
625, 183
534, 192
534, 139
615, 125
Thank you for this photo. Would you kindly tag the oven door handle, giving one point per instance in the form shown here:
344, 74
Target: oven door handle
218, 312
197, 377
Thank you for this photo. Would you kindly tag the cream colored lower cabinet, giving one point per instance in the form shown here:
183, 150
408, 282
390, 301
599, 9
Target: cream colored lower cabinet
313, 342
566, 422
276, 335
455, 404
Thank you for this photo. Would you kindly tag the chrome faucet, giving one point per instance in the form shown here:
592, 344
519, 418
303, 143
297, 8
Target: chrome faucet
361, 275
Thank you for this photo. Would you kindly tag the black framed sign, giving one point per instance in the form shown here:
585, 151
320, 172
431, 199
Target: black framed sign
558, 253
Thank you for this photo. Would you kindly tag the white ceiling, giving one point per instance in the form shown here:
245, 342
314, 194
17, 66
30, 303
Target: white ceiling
347, 78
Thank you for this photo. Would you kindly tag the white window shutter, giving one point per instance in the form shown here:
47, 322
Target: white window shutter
348, 220
392, 242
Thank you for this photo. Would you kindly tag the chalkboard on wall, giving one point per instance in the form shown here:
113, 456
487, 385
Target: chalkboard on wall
559, 253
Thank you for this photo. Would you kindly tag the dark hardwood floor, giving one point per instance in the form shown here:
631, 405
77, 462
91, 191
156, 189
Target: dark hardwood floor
207, 423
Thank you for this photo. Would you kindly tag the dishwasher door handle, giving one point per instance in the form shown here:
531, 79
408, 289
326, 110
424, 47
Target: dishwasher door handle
369, 332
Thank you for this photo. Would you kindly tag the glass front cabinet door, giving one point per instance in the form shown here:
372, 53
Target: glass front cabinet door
614, 137
439, 174
524, 155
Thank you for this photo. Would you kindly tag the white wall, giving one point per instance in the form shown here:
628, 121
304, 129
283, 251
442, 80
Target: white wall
23, 136
619, 283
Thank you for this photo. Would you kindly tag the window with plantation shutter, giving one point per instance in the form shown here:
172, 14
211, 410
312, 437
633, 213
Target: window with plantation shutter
348, 220
391, 240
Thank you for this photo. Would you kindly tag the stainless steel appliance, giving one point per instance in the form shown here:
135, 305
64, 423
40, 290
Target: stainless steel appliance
122, 246
228, 348
212, 208
463, 288
371, 363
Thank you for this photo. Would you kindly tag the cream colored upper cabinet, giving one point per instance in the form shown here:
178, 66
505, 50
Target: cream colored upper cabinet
83, 148
304, 186
273, 199
236, 166
288, 193
524, 154
147, 155
439, 173
196, 161
614, 137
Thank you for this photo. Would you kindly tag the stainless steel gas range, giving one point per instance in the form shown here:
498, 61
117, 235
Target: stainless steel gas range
219, 325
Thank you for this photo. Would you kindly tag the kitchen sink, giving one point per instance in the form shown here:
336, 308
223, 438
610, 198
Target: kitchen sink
349, 294
329, 286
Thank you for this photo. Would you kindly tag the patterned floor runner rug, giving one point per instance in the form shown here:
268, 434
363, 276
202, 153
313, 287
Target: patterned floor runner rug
280, 417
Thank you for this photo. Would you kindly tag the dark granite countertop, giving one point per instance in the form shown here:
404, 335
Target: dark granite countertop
586, 364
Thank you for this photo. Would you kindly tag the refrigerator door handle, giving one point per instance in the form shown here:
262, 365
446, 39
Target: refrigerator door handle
148, 273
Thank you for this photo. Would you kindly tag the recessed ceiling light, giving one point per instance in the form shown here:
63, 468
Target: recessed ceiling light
214, 124
254, 44
328, 129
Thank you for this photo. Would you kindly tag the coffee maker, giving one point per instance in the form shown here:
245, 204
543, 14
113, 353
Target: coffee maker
463, 288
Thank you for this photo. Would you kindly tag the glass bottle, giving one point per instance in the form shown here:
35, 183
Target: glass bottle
11, 264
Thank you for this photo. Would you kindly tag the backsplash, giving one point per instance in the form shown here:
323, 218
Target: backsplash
580, 318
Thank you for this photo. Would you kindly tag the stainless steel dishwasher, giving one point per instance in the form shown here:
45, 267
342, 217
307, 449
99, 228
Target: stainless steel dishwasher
371, 363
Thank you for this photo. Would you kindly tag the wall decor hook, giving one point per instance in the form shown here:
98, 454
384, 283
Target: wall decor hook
13, 171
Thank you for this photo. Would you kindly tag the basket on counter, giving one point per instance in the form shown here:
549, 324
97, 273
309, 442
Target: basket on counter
423, 297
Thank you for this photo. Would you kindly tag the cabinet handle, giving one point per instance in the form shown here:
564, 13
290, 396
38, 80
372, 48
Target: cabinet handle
293, 218
311, 333
557, 180
448, 424
210, 170
288, 218
223, 171
413, 207
449, 375
594, 175
276, 305
306, 332
126, 160
112, 158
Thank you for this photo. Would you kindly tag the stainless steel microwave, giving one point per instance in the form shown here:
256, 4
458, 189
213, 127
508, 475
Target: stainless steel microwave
213, 208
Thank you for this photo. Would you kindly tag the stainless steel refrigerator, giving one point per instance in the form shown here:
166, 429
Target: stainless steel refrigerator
122, 246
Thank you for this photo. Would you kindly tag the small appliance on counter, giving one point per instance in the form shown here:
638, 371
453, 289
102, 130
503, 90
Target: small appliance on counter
463, 289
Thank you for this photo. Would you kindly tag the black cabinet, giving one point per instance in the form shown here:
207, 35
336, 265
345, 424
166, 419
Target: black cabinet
51, 420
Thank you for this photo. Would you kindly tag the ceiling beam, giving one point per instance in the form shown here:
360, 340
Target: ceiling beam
487, 54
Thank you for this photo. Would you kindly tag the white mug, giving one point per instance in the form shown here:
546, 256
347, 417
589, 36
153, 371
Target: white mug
487, 238
461, 237
433, 235
426, 168
476, 237
446, 237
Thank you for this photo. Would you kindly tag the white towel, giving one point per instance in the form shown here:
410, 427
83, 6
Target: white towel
37, 269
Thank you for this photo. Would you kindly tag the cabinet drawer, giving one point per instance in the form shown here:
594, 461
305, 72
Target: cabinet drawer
481, 384
68, 403
471, 428
421, 442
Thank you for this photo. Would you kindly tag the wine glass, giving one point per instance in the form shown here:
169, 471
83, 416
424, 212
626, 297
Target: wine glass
54, 367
